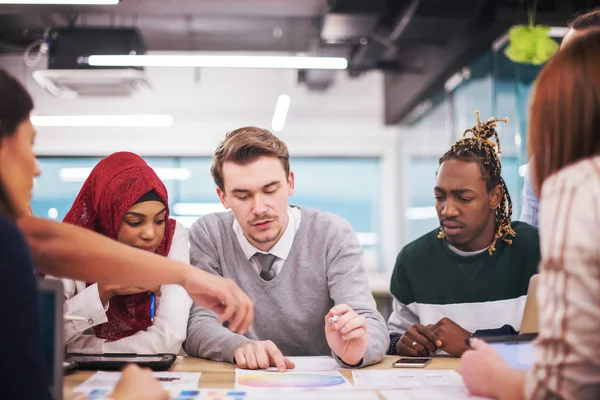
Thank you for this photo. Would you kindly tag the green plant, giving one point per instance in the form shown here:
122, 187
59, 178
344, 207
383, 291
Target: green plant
530, 44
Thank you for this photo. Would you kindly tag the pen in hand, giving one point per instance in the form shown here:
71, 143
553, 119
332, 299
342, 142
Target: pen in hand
68, 317
152, 305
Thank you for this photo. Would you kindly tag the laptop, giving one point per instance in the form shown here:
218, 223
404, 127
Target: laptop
529, 323
52, 303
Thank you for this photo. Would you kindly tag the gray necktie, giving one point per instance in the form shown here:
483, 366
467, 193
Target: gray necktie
266, 262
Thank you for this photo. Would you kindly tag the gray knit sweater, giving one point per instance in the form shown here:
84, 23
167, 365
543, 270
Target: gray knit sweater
323, 268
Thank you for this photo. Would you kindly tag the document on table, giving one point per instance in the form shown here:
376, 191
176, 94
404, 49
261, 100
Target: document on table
315, 363
278, 394
311, 394
453, 392
404, 379
105, 382
324, 380
271, 394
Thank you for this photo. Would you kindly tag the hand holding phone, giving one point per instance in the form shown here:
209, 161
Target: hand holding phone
411, 362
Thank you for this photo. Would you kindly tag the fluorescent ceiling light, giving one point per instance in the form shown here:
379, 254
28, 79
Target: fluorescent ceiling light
68, 2
197, 209
421, 213
217, 61
165, 174
104, 120
280, 114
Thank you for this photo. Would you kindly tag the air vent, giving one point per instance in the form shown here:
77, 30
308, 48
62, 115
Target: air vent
71, 83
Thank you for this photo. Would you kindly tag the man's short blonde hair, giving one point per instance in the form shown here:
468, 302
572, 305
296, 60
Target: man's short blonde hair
245, 145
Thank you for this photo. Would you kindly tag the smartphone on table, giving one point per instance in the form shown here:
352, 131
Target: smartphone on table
411, 362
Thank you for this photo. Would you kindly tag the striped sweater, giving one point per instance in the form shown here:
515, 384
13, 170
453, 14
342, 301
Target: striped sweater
478, 292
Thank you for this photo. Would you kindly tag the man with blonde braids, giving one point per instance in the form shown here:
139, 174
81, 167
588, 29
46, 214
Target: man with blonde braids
471, 276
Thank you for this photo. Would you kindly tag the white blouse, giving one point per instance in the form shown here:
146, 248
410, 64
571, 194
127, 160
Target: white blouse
170, 322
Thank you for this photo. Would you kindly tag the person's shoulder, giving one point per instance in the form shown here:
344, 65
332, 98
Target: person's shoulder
583, 175
421, 246
14, 250
524, 231
319, 219
526, 239
412, 259
10, 234
213, 223
179, 231
326, 228
179, 242
6, 224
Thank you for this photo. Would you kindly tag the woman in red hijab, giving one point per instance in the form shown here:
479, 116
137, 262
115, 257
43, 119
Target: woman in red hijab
124, 199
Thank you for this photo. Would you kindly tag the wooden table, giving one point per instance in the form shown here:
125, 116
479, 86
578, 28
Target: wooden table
220, 375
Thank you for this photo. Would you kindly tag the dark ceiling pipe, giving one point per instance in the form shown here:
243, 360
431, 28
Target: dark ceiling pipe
382, 44
399, 28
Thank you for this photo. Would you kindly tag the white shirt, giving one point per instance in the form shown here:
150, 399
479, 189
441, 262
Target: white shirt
465, 253
281, 249
170, 322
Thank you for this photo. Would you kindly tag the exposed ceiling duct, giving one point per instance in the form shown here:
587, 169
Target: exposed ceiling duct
428, 41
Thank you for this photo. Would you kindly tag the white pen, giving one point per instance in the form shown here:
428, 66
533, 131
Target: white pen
73, 318
333, 319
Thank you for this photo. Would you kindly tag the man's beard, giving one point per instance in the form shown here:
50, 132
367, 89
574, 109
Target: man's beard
268, 239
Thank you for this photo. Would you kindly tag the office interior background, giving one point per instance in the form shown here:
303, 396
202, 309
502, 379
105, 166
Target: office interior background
365, 139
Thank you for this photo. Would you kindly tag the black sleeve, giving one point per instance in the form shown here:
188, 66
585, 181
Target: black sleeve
504, 330
23, 372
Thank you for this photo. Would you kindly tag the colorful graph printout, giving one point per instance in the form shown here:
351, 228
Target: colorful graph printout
290, 380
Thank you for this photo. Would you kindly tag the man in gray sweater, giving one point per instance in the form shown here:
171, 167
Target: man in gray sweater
303, 268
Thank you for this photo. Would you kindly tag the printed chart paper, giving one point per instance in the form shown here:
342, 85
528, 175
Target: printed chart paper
316, 363
326, 380
188, 394
404, 379
105, 382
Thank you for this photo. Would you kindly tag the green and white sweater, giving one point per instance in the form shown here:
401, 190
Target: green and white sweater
478, 292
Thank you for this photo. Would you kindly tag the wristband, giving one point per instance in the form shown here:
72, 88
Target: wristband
393, 343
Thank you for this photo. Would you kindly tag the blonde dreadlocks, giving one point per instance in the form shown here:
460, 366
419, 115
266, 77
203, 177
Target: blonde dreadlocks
480, 148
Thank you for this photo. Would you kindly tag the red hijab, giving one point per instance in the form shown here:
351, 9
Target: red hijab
115, 184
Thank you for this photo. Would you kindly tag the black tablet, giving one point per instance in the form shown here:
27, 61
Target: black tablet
516, 350
116, 362
52, 302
